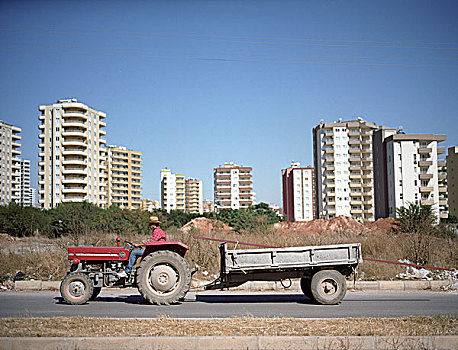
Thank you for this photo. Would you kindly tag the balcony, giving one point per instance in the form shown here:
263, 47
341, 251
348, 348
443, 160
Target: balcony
77, 142
443, 202
425, 150
355, 184
73, 162
425, 163
442, 189
426, 202
329, 159
328, 142
72, 199
354, 150
80, 171
356, 202
425, 176
355, 167
74, 133
328, 133
367, 176
74, 114
76, 152
329, 167
80, 189
367, 159
354, 142
353, 133
440, 150
330, 184
366, 150
356, 211
441, 163
75, 180
74, 124
354, 159
329, 150
442, 176
330, 194
355, 176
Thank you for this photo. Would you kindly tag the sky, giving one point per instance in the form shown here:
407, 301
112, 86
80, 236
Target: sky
194, 84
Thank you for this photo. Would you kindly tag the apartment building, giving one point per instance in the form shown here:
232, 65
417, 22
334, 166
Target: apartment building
406, 168
193, 196
342, 153
150, 205
124, 167
452, 180
208, 206
72, 165
172, 191
233, 187
26, 194
298, 193
10, 163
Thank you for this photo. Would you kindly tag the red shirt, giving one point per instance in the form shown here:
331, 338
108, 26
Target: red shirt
158, 235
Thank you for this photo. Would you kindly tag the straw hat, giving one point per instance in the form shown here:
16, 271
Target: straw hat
154, 220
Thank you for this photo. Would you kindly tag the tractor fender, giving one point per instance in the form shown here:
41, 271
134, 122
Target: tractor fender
177, 247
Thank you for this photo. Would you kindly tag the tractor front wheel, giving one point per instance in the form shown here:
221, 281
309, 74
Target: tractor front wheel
76, 288
163, 277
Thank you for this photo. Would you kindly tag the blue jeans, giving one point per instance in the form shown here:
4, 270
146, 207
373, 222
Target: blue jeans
134, 254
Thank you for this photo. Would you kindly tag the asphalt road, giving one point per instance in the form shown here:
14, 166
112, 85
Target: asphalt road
128, 303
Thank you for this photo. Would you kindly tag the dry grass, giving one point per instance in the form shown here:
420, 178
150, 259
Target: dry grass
237, 326
440, 252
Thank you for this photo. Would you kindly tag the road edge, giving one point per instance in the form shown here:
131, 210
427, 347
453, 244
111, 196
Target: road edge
278, 286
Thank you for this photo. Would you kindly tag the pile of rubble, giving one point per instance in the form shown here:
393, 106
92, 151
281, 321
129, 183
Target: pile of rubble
5, 238
206, 226
335, 225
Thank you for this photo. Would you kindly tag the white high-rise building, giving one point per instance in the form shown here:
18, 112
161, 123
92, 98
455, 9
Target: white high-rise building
298, 193
72, 154
406, 170
342, 154
26, 195
172, 191
233, 187
10, 164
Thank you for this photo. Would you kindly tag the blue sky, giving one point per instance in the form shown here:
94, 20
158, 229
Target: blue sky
193, 84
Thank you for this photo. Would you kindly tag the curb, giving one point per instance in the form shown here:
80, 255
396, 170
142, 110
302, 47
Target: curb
277, 286
360, 285
236, 342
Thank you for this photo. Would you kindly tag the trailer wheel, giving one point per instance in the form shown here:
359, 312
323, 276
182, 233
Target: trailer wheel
76, 288
96, 293
328, 287
163, 277
306, 286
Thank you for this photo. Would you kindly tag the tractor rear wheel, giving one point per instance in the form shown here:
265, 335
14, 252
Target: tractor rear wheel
76, 288
163, 277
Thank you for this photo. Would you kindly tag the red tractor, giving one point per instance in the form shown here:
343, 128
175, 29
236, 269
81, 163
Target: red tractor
162, 277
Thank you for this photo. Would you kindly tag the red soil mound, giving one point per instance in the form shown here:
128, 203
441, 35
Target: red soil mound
205, 226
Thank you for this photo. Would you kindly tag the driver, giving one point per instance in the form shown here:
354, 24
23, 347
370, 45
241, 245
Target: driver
157, 235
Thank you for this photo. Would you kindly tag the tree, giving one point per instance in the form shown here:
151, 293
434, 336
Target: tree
416, 218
